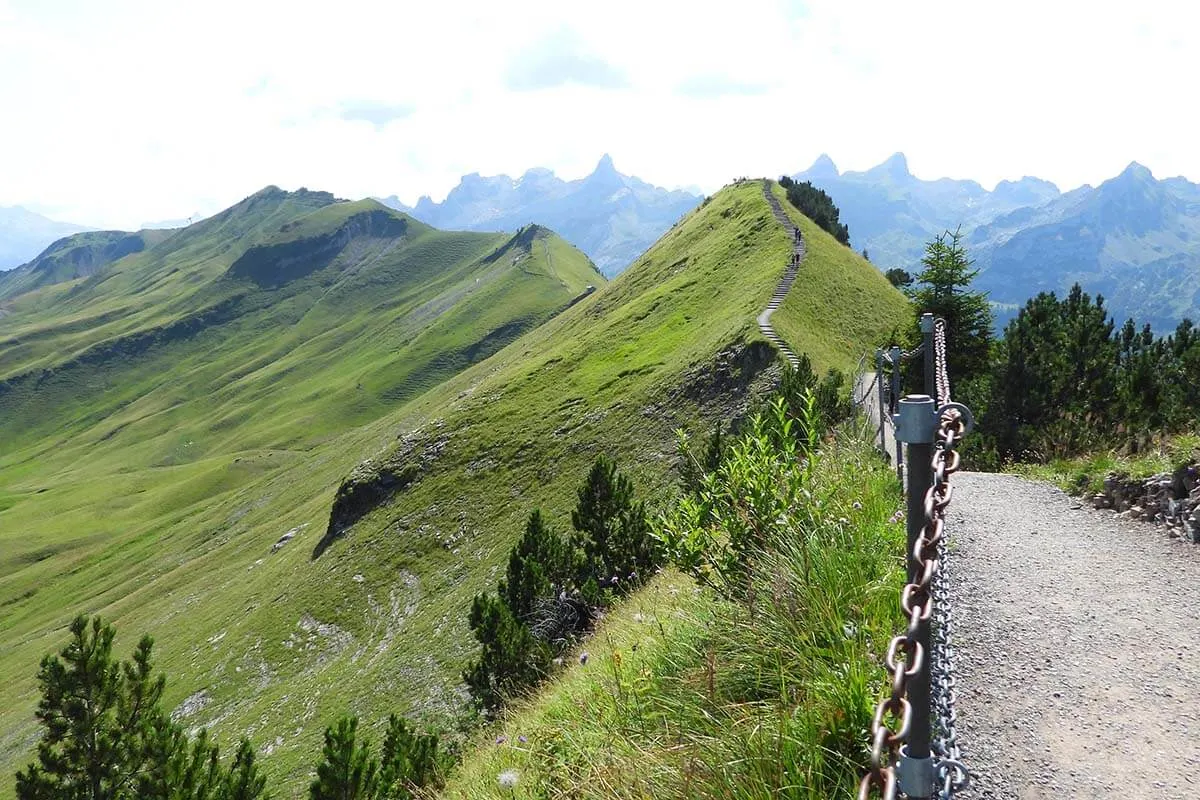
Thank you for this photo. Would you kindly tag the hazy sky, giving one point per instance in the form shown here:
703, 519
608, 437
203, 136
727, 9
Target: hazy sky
116, 113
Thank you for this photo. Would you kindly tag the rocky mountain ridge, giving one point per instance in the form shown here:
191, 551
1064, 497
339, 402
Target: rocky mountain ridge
612, 217
1134, 238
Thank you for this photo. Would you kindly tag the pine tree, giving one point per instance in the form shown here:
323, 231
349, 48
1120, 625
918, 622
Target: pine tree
510, 661
408, 761
538, 567
101, 719
347, 771
944, 290
243, 781
611, 532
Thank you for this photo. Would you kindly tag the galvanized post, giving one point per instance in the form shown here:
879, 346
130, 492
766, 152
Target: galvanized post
916, 424
883, 410
894, 397
927, 349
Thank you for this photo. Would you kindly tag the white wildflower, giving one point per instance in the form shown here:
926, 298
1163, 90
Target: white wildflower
508, 779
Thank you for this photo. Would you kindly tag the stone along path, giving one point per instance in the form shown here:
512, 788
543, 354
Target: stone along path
789, 277
1078, 642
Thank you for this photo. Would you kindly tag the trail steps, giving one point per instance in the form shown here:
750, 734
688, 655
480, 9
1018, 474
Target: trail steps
785, 283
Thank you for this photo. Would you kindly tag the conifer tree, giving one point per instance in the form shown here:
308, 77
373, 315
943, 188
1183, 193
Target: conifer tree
538, 567
243, 781
611, 531
100, 717
510, 659
408, 761
347, 771
944, 290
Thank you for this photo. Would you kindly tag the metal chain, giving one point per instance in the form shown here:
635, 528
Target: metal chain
908, 354
947, 757
904, 654
939, 349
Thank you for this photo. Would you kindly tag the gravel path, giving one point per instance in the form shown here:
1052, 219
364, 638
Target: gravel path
1078, 640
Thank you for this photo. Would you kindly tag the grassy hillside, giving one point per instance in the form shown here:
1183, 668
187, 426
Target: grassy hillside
238, 442
839, 301
153, 449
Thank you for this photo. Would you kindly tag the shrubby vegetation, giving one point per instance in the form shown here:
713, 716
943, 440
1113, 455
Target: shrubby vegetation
1064, 380
817, 206
555, 585
105, 736
758, 682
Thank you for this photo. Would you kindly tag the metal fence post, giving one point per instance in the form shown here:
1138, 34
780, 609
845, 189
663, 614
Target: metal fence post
895, 354
927, 348
883, 409
916, 425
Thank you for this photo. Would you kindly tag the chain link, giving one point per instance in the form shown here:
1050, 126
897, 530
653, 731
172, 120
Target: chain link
905, 657
939, 361
952, 773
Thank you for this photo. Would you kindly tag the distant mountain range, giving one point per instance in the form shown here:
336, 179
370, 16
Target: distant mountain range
611, 217
24, 234
1134, 239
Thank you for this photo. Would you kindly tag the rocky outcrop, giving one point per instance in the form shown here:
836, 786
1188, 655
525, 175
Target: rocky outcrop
1171, 499
374, 482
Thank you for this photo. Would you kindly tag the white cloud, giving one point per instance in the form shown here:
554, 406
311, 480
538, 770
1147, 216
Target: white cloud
144, 110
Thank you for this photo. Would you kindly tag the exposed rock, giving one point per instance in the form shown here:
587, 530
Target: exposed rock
287, 537
192, 705
1171, 499
373, 483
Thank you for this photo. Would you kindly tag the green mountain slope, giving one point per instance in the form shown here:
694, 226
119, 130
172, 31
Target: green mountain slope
839, 300
286, 579
76, 256
163, 416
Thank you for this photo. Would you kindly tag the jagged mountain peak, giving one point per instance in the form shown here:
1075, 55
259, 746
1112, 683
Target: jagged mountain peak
896, 166
583, 211
605, 166
823, 167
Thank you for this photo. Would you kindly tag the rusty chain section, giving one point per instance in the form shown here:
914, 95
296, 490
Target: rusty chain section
905, 656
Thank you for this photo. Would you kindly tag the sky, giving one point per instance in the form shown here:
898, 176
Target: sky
122, 112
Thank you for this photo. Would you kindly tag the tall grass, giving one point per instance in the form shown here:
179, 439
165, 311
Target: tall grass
762, 686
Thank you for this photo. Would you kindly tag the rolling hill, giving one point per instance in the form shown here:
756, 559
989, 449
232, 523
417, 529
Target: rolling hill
168, 411
24, 234
292, 441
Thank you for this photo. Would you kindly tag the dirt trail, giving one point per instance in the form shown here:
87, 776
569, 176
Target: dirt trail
785, 283
1078, 641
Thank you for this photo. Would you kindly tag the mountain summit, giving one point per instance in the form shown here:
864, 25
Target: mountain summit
612, 217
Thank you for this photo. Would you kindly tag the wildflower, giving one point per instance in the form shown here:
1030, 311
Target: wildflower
637, 617
508, 779
583, 657
501, 739
843, 521
857, 506
558, 662
522, 739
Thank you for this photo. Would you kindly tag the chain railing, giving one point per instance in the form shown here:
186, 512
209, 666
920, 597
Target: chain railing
914, 748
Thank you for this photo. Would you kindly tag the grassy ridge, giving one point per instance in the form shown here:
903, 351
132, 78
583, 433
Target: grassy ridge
840, 302
214, 453
151, 467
